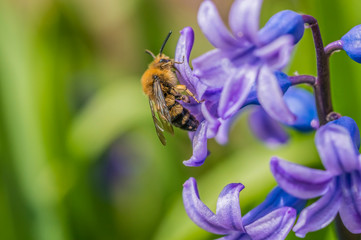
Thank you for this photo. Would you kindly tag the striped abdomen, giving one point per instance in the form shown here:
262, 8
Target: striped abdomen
180, 116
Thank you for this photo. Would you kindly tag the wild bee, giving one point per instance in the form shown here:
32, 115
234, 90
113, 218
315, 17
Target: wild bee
160, 84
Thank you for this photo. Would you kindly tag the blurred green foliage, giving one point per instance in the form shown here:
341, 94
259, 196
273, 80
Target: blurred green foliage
78, 152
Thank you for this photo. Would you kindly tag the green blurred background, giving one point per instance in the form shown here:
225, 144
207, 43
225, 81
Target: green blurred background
78, 151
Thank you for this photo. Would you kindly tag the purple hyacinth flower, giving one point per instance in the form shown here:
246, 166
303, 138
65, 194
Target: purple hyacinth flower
339, 186
272, 133
351, 43
212, 125
271, 220
247, 56
242, 70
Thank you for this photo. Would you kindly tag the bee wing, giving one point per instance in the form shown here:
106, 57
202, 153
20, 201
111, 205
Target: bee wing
161, 107
157, 123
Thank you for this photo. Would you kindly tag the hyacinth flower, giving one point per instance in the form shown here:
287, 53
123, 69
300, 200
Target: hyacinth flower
247, 56
242, 70
339, 186
211, 124
271, 220
350, 42
300, 102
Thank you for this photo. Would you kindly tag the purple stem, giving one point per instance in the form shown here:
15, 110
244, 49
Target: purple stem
322, 92
322, 87
333, 47
300, 79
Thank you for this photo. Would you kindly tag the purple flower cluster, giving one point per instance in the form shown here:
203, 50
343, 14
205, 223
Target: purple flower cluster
339, 189
243, 69
339, 186
271, 220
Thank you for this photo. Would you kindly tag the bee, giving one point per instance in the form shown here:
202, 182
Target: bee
160, 84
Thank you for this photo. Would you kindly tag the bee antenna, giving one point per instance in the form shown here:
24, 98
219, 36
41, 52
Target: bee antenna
165, 41
150, 53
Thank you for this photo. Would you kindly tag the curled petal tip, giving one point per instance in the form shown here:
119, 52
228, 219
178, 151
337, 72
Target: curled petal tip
228, 208
190, 180
198, 211
193, 162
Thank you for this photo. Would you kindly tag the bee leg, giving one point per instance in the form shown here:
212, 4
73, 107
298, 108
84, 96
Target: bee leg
173, 62
184, 98
166, 64
178, 62
179, 96
183, 88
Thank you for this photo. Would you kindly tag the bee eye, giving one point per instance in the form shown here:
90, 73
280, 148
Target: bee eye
163, 60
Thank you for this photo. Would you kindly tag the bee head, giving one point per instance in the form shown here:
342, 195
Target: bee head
162, 61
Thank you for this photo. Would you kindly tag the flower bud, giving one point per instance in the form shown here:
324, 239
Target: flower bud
302, 104
351, 43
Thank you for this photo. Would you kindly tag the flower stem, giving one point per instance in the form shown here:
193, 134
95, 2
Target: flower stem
322, 87
333, 47
300, 79
322, 92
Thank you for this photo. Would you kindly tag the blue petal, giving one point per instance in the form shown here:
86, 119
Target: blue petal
236, 236
235, 91
350, 210
183, 50
216, 65
282, 23
208, 111
267, 129
198, 211
351, 42
321, 213
228, 209
244, 19
302, 103
283, 82
274, 226
199, 142
270, 96
276, 54
224, 128
213, 27
336, 149
351, 126
277, 198
298, 180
